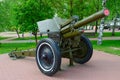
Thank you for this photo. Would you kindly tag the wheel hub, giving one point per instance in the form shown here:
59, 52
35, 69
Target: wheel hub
46, 57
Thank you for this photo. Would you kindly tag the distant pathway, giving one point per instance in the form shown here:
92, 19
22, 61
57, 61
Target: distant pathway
107, 38
102, 66
17, 41
13, 35
10, 40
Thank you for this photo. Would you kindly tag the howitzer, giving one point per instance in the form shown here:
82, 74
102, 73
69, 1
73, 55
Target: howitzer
64, 41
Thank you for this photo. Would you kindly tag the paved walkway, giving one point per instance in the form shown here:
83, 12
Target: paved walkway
25, 41
107, 38
13, 35
102, 66
17, 41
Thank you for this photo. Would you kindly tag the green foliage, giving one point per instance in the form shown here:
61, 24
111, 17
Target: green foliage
23, 14
31, 11
82, 8
4, 15
113, 6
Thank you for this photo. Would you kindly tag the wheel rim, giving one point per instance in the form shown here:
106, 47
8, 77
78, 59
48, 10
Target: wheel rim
45, 56
85, 51
82, 52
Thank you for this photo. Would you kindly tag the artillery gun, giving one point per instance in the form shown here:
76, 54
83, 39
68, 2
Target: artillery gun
65, 41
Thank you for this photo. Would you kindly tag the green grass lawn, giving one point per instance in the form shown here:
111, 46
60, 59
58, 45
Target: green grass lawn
106, 34
1, 38
109, 34
8, 47
30, 38
109, 46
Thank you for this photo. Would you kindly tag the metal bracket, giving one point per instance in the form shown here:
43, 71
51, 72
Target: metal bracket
75, 19
12, 55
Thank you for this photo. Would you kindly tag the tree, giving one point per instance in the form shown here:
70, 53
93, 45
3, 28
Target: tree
67, 8
23, 14
113, 5
82, 8
96, 7
4, 15
7, 20
29, 12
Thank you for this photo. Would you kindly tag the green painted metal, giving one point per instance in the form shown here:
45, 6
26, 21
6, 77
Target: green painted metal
87, 20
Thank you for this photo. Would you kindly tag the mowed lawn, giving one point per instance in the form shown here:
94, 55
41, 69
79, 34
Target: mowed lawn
106, 34
1, 38
109, 46
8, 47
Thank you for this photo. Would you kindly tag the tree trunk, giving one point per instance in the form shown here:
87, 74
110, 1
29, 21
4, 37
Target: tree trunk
113, 29
96, 28
22, 34
17, 33
0, 44
35, 35
36, 38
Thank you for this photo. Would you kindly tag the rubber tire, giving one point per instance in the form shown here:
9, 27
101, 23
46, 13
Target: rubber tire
89, 53
57, 56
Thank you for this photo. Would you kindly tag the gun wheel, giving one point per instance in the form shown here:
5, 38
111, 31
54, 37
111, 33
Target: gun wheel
85, 52
48, 56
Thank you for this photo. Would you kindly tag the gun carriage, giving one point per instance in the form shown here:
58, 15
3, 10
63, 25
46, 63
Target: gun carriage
65, 41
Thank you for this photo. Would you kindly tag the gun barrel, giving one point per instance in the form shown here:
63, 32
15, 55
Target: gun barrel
92, 18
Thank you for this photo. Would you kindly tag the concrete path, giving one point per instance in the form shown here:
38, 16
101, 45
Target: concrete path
102, 66
17, 41
106, 38
28, 41
13, 35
